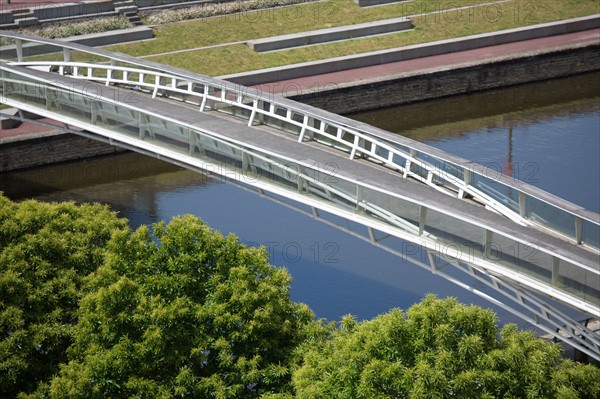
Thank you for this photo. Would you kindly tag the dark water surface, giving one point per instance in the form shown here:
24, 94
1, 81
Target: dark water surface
547, 134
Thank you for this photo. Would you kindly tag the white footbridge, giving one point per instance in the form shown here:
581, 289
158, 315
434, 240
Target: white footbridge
533, 252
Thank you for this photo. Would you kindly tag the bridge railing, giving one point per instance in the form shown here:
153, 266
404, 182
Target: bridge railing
516, 200
452, 236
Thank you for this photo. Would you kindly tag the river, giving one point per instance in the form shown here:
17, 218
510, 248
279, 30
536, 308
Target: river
547, 134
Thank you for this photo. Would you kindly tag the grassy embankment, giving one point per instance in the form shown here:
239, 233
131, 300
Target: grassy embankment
239, 57
227, 31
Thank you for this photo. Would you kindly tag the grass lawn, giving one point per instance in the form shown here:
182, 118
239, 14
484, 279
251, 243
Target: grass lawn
272, 22
263, 23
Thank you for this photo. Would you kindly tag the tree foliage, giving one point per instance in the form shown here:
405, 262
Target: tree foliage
439, 349
45, 251
91, 309
186, 313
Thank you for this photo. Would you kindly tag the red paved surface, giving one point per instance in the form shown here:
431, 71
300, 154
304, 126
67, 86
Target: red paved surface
296, 86
293, 86
27, 128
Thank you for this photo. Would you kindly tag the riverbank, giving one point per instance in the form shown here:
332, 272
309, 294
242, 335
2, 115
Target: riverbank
488, 68
359, 89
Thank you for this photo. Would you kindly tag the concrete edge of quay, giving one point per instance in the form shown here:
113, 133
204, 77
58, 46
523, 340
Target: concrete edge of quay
337, 64
49, 147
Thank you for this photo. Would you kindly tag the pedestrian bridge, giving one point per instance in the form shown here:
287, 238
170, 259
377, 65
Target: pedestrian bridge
526, 246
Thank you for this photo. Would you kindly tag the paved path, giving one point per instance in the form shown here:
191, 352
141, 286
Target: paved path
385, 71
27, 129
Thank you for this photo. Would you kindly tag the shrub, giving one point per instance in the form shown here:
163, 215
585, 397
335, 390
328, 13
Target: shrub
210, 10
81, 28
62, 30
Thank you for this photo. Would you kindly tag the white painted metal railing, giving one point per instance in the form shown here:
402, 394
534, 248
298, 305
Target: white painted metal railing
122, 117
120, 120
517, 201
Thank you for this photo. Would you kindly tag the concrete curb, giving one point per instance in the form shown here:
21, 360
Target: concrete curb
331, 34
8, 123
415, 51
370, 3
92, 40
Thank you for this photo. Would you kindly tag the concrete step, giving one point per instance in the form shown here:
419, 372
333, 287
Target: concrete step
133, 18
24, 22
21, 11
124, 4
24, 17
9, 26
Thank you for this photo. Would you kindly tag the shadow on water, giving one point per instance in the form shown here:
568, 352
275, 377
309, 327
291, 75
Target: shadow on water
130, 183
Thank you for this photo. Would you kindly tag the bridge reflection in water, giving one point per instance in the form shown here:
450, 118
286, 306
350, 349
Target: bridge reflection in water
513, 237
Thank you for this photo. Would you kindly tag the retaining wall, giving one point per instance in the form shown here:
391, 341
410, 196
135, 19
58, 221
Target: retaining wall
330, 34
6, 18
53, 13
369, 3
443, 82
73, 11
49, 148
43, 14
159, 4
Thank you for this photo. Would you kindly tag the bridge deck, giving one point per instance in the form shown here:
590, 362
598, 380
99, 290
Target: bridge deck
363, 171
312, 154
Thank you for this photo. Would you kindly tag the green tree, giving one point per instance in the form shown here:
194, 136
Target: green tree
184, 312
439, 349
45, 251
91, 309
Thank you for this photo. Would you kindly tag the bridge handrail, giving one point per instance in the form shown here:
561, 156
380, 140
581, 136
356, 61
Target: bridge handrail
353, 197
453, 178
357, 138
